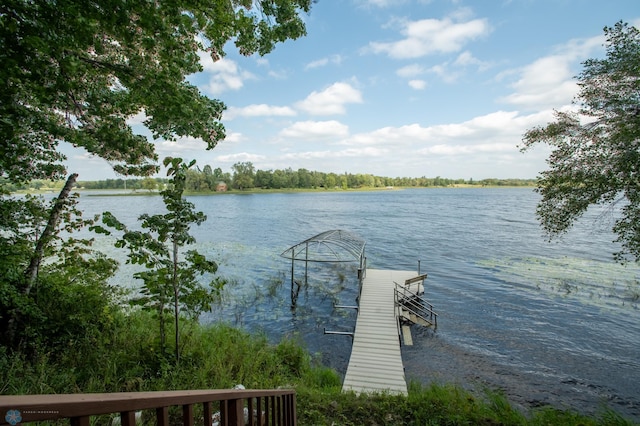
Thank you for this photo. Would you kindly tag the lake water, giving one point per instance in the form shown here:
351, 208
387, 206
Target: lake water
547, 323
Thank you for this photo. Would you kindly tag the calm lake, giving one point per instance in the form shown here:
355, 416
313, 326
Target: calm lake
547, 323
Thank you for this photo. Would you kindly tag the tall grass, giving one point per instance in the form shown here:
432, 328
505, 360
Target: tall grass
219, 356
432, 405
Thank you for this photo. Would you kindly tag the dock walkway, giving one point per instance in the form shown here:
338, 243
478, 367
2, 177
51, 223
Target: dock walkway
376, 364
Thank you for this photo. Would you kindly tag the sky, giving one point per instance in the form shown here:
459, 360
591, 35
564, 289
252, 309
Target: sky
400, 88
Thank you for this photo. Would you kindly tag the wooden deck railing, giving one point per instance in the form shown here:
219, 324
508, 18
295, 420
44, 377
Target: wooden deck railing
205, 407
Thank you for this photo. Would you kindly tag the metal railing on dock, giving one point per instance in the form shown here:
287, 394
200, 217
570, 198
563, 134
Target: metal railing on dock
234, 407
415, 305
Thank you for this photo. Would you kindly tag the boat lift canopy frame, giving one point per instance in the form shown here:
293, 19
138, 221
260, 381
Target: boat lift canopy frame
330, 246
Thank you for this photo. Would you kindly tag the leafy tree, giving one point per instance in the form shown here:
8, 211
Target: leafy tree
263, 179
243, 175
304, 178
595, 156
279, 179
54, 291
170, 281
196, 181
79, 77
220, 176
149, 183
331, 180
317, 179
343, 181
209, 177
292, 178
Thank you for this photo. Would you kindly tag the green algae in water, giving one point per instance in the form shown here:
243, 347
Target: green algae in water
601, 284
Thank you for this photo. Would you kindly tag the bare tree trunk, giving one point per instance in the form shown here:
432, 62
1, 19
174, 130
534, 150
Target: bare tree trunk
31, 273
163, 339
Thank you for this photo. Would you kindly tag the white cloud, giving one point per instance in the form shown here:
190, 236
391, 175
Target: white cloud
449, 72
467, 59
403, 134
549, 81
224, 75
316, 64
315, 130
259, 110
331, 100
333, 59
209, 65
233, 137
546, 83
580, 49
502, 127
470, 147
545, 72
417, 84
467, 149
181, 145
138, 118
191, 147
336, 155
445, 72
380, 3
409, 71
278, 75
428, 36
240, 157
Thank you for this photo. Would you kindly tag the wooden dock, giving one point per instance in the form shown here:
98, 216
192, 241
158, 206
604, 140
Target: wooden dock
376, 364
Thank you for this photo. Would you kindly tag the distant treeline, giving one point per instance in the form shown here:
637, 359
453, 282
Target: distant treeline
245, 177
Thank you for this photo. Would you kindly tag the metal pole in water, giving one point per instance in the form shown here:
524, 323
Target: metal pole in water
293, 256
306, 263
344, 333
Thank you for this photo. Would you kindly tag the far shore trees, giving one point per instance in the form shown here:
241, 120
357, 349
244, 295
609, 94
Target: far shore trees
595, 156
243, 175
200, 181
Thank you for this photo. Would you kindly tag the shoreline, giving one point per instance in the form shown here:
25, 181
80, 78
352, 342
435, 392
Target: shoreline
134, 193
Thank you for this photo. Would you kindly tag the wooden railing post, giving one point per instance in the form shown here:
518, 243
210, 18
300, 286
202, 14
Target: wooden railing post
273, 410
207, 412
187, 415
280, 411
267, 407
80, 421
251, 419
259, 409
235, 412
128, 418
162, 416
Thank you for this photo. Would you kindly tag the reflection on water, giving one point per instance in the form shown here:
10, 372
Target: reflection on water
549, 323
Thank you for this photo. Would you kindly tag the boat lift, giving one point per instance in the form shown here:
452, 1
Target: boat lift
332, 246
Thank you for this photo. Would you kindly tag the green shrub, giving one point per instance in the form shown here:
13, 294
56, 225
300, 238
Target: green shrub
218, 356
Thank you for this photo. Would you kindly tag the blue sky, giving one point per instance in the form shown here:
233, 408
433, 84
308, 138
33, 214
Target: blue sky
401, 88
